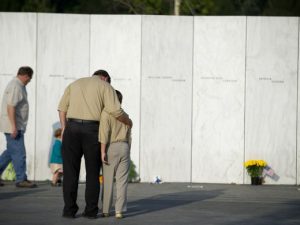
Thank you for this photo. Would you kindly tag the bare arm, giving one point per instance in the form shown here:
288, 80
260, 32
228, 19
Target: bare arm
63, 120
125, 119
129, 139
103, 153
11, 112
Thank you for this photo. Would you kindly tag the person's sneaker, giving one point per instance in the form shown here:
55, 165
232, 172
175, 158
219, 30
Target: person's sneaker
26, 184
1, 184
105, 214
119, 215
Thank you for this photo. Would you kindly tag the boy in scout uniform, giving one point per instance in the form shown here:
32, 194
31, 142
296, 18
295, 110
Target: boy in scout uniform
116, 161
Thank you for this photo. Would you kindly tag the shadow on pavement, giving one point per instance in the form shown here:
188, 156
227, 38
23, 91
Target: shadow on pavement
19, 192
165, 201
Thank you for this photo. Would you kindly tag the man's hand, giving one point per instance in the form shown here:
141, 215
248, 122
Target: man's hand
11, 112
14, 133
62, 133
125, 119
63, 120
130, 124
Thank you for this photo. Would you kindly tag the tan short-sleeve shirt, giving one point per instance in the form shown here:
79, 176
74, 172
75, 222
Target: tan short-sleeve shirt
87, 97
15, 95
111, 130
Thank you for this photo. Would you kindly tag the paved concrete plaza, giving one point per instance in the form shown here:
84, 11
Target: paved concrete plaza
155, 204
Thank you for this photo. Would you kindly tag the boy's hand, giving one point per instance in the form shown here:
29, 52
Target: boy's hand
104, 158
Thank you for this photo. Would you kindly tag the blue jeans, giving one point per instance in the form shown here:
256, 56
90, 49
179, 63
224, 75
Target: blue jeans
15, 153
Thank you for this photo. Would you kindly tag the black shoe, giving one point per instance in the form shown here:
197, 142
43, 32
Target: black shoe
70, 216
55, 184
89, 216
1, 184
26, 184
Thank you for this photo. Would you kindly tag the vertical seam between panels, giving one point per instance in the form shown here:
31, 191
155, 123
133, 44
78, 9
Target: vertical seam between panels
140, 103
192, 101
36, 94
90, 40
245, 93
297, 181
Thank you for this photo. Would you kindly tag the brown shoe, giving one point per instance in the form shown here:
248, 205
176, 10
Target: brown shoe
26, 184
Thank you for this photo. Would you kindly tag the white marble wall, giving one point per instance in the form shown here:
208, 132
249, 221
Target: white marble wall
63, 56
218, 99
205, 93
271, 94
116, 47
18, 48
166, 98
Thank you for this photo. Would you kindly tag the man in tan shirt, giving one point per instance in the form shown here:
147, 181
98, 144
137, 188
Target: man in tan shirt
13, 121
80, 109
116, 159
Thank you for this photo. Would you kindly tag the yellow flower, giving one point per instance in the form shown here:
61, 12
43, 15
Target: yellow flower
254, 167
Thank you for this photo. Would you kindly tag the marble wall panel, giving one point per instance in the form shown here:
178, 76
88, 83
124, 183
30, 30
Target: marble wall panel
271, 95
166, 98
63, 56
298, 124
18, 48
116, 47
218, 99
206, 126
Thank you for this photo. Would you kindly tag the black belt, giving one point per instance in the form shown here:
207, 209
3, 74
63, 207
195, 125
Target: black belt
83, 121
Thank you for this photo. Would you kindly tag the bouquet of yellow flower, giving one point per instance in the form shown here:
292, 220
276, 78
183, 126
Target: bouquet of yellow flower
255, 167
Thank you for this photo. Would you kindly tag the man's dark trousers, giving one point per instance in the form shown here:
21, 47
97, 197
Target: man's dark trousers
81, 139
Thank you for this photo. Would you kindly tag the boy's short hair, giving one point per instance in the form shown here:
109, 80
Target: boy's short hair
57, 132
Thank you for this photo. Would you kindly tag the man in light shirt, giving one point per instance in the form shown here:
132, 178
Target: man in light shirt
80, 109
13, 122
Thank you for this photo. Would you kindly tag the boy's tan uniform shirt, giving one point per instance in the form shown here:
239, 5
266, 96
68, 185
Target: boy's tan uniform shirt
111, 130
